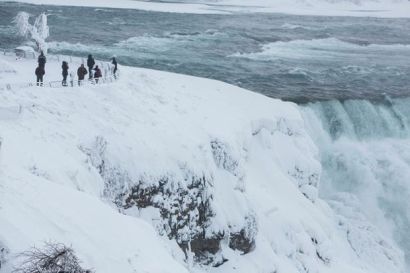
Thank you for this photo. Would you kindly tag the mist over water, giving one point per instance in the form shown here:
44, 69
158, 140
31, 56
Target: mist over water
351, 77
365, 154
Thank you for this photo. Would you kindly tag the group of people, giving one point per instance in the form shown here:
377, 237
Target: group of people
94, 71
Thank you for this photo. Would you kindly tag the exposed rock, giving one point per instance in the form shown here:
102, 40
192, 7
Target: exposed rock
205, 249
239, 241
244, 239
185, 211
184, 203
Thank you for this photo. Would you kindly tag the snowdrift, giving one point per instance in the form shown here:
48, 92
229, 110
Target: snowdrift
159, 172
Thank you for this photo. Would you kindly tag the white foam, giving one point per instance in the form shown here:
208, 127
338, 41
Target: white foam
331, 48
365, 151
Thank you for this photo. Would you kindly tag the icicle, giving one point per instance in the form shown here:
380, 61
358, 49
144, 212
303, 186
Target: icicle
190, 257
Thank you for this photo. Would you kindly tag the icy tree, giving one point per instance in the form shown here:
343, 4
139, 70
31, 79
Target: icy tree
38, 32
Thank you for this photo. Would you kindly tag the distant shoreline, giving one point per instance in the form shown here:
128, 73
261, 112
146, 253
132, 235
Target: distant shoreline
312, 8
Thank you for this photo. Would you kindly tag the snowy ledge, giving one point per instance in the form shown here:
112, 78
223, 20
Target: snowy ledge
365, 8
109, 168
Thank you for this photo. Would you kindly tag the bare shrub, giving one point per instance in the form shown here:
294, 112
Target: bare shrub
3, 253
52, 258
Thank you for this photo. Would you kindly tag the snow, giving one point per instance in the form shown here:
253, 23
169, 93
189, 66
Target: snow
155, 124
25, 49
362, 8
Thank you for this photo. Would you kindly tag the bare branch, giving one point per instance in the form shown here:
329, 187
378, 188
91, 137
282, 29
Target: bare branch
52, 258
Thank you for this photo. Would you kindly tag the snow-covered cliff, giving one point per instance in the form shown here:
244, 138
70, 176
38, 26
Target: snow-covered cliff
159, 172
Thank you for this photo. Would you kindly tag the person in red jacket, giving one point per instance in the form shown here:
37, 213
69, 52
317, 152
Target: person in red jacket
97, 74
40, 74
81, 72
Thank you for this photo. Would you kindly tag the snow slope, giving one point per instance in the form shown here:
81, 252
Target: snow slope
365, 8
69, 154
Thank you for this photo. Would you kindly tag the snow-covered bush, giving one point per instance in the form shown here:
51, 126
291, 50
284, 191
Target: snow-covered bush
224, 158
52, 258
115, 179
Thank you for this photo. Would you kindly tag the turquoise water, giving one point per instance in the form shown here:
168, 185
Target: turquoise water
298, 58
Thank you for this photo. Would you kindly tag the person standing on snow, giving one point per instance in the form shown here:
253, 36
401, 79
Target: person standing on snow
42, 60
81, 72
90, 64
97, 74
114, 62
64, 66
40, 73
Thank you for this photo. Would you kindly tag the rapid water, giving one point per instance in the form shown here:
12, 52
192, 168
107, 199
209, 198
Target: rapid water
351, 77
365, 154
298, 58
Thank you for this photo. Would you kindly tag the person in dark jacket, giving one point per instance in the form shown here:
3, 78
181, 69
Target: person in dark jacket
114, 62
90, 64
97, 74
81, 72
40, 74
64, 66
42, 60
